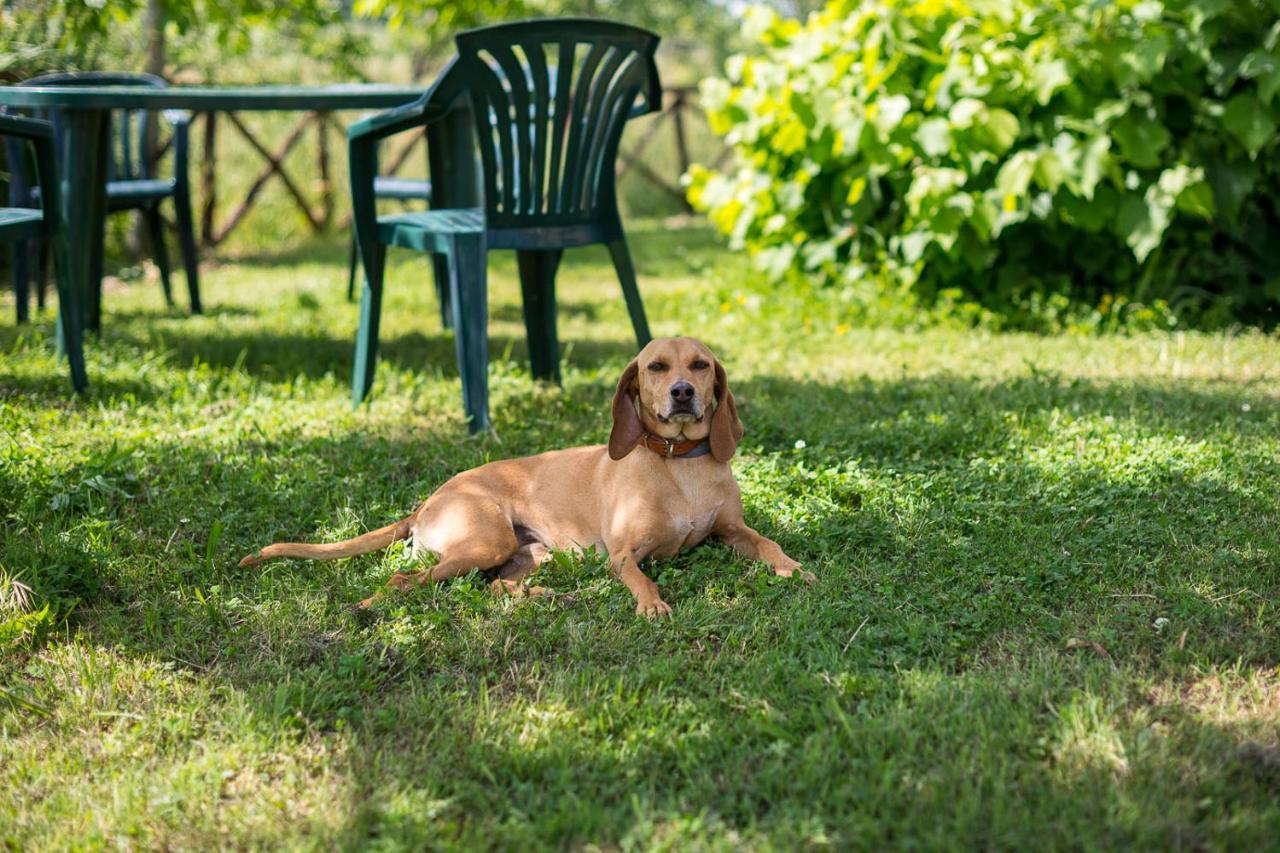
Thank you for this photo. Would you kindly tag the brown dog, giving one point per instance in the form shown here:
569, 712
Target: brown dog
661, 485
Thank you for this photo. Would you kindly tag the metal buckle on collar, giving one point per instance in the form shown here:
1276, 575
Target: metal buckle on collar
671, 447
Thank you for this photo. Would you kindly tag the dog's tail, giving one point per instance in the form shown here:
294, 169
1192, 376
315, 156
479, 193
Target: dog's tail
371, 541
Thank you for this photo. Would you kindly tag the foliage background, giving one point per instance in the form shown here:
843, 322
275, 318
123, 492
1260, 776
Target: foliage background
203, 38
1034, 163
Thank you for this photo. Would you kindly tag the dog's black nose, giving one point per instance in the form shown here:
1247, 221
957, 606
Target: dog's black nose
682, 391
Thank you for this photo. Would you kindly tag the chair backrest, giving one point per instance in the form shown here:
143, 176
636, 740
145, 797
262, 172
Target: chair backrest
127, 159
549, 101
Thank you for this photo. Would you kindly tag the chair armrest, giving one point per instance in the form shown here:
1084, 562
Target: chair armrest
26, 128
40, 134
421, 112
437, 102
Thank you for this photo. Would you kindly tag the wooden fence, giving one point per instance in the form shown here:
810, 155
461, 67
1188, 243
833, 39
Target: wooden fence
679, 109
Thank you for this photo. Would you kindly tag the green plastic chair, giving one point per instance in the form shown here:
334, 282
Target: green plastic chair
523, 128
20, 224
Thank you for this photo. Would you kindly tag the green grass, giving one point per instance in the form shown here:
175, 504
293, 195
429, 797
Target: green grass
1045, 614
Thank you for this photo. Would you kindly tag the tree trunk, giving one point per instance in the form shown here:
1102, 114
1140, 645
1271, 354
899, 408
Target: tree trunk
154, 26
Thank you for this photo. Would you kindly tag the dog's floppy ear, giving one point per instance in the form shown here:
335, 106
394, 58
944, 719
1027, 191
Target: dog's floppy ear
627, 430
726, 429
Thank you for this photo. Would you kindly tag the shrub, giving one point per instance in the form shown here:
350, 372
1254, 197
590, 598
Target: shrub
1024, 159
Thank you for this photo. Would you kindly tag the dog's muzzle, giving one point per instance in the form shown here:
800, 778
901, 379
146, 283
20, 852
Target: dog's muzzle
683, 407
680, 418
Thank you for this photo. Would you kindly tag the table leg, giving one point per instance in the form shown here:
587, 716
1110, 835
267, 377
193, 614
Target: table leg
98, 224
84, 167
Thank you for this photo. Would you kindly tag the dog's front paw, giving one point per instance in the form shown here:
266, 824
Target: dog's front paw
794, 569
652, 608
400, 582
403, 582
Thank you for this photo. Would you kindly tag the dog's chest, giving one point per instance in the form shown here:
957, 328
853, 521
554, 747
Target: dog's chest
692, 512
692, 528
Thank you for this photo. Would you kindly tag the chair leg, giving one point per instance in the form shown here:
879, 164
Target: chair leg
538, 288
20, 273
469, 298
97, 257
84, 153
70, 312
155, 233
353, 264
440, 272
366, 360
41, 278
187, 244
630, 290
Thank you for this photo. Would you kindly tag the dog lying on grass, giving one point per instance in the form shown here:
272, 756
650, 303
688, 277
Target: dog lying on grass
661, 485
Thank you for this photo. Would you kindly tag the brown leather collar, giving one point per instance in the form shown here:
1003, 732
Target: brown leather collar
670, 448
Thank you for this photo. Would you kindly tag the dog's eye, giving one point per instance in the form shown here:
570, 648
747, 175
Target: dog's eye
657, 366
699, 364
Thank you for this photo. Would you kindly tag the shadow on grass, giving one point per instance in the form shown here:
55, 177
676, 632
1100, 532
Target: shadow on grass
964, 415
511, 313
275, 357
146, 315
280, 357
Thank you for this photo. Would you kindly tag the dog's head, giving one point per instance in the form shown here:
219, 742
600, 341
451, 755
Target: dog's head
675, 388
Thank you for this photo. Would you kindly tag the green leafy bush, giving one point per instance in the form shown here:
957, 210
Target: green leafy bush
1027, 161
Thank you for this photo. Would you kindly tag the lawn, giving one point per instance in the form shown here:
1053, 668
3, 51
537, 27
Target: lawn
1045, 616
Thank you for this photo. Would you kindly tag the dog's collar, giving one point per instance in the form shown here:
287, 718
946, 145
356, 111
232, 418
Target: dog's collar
672, 449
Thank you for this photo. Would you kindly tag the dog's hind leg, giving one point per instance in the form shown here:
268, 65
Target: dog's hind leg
467, 534
522, 564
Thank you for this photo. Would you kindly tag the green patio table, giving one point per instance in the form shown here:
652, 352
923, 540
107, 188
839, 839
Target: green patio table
84, 129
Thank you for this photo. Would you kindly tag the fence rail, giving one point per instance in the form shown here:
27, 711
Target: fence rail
319, 207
